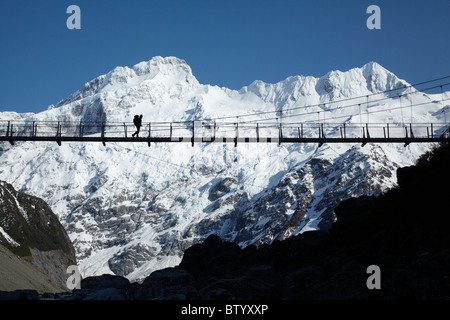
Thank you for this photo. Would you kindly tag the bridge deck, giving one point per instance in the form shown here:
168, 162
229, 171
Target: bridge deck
209, 132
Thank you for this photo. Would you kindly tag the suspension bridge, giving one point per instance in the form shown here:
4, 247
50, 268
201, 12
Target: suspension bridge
203, 131
280, 128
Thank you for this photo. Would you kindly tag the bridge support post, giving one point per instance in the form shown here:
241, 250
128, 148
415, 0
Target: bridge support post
103, 134
300, 131
9, 133
237, 135
34, 129
411, 131
81, 128
149, 134
257, 132
193, 133
364, 136
58, 134
321, 135
280, 134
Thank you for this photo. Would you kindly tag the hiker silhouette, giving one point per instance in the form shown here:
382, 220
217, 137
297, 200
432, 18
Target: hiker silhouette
138, 123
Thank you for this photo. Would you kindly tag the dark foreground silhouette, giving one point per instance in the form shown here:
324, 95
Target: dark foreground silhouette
404, 232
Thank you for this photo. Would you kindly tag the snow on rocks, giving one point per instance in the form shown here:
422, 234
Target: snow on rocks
130, 209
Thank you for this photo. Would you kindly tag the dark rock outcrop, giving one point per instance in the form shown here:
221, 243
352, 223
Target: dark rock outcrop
33, 234
105, 287
404, 232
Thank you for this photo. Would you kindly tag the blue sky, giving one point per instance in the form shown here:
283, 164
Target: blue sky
227, 43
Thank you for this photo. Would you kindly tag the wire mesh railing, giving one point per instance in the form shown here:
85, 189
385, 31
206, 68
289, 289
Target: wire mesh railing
209, 131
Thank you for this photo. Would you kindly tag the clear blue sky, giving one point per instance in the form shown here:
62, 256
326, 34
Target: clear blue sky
226, 42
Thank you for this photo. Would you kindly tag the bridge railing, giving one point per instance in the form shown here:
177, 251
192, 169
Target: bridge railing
220, 130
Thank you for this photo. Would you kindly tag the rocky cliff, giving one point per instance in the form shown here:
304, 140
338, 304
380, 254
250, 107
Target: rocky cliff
130, 209
404, 232
35, 248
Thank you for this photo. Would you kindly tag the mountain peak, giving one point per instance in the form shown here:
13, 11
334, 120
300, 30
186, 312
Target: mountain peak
379, 78
130, 209
163, 65
374, 65
166, 70
368, 79
158, 67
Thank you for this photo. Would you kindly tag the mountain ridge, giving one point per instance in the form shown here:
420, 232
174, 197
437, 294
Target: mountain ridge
35, 249
134, 209
410, 254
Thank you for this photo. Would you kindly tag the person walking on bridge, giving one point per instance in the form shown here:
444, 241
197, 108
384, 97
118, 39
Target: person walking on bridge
138, 123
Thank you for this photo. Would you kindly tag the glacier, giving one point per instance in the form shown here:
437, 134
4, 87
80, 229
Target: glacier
130, 209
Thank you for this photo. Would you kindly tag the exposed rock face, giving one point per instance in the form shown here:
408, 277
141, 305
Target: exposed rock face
130, 209
32, 231
222, 188
318, 186
392, 231
17, 273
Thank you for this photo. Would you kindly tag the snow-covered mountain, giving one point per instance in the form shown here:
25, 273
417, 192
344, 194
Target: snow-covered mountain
131, 209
